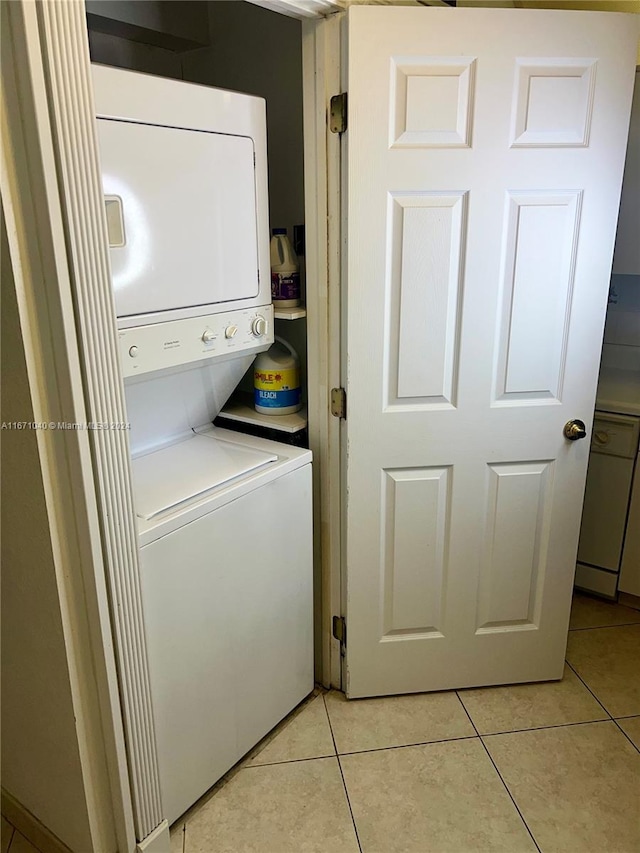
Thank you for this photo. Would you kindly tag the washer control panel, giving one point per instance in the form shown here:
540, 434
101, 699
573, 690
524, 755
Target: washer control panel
162, 345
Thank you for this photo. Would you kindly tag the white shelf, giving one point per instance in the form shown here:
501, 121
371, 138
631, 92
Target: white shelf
240, 409
295, 313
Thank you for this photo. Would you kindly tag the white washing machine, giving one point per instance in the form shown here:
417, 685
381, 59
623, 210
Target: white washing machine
224, 519
225, 536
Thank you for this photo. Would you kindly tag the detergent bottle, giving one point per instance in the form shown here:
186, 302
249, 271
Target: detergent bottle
285, 271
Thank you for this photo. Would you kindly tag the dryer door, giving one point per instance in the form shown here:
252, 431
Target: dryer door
181, 208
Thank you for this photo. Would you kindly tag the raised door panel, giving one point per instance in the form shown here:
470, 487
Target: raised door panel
415, 540
515, 547
540, 242
425, 260
432, 100
553, 101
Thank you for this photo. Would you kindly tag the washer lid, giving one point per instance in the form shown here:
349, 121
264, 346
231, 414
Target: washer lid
186, 470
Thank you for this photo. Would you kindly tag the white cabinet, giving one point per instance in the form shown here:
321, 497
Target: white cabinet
610, 535
630, 569
614, 445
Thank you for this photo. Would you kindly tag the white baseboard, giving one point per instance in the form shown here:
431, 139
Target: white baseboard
595, 580
29, 826
157, 841
628, 599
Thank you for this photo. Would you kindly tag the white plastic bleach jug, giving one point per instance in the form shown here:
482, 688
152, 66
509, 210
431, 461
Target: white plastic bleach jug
285, 270
276, 380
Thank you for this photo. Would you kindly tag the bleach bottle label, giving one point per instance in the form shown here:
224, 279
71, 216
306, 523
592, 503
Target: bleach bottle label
277, 389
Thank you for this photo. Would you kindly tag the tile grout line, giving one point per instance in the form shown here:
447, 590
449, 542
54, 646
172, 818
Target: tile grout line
344, 782
277, 730
581, 679
544, 728
601, 627
287, 760
439, 740
611, 717
364, 751
495, 766
625, 734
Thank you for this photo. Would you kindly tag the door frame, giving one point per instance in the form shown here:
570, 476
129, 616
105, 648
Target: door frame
321, 73
53, 101
302, 9
322, 77
33, 208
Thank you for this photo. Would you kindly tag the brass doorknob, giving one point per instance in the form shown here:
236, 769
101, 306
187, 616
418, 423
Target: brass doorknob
575, 430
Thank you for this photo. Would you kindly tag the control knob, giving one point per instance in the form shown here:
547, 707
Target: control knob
208, 336
231, 331
258, 327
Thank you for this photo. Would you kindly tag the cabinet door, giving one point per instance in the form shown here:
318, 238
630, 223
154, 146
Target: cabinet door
630, 569
604, 514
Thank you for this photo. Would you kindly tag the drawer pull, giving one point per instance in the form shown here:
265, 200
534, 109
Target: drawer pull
602, 437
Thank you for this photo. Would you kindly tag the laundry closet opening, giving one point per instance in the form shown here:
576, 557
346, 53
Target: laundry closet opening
244, 48
193, 176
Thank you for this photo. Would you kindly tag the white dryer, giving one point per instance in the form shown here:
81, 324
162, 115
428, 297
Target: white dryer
224, 519
184, 171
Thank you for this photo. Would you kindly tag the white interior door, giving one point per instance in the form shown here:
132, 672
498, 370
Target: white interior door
485, 157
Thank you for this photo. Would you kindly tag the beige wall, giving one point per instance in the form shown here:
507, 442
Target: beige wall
626, 258
259, 52
175, 24
251, 50
109, 49
628, 6
40, 757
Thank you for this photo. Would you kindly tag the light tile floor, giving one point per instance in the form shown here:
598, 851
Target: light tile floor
548, 767
14, 841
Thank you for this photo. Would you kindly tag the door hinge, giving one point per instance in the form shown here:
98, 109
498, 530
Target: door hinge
338, 113
339, 403
340, 630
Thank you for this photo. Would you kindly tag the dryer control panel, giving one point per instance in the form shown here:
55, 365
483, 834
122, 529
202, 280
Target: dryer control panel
221, 336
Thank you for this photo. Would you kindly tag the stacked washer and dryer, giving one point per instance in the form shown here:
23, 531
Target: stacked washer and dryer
224, 519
